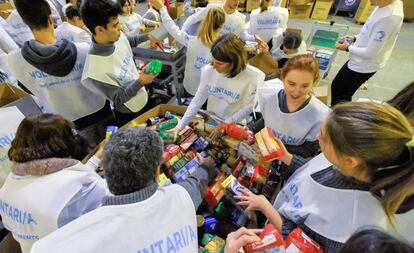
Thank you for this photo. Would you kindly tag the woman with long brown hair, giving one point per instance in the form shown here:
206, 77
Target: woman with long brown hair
48, 186
364, 174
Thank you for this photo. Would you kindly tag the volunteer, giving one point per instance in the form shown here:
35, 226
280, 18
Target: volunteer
48, 186
228, 84
287, 45
152, 14
140, 216
373, 240
110, 68
290, 110
370, 49
267, 20
72, 30
364, 174
235, 21
51, 70
132, 22
7, 44
198, 47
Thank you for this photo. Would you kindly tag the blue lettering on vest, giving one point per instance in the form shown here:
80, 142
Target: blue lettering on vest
219, 91
124, 67
268, 21
37, 74
286, 139
178, 240
16, 215
7, 139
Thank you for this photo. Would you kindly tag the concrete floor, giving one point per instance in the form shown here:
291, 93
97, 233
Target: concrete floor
398, 72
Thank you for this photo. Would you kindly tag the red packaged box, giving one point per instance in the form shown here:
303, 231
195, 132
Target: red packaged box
298, 241
239, 133
269, 148
170, 151
270, 241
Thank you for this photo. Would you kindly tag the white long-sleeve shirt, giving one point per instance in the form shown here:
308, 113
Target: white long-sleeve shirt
234, 23
132, 23
376, 39
198, 55
231, 99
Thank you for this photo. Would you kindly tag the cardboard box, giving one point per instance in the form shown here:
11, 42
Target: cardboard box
216, 1
9, 245
408, 9
252, 4
283, 3
176, 10
300, 2
300, 11
322, 93
364, 10
9, 93
321, 9
5, 10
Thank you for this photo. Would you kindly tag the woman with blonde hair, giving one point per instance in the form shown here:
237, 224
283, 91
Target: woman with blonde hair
198, 47
268, 20
364, 174
228, 84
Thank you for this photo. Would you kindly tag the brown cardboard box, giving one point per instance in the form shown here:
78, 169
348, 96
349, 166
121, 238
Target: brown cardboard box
9, 245
300, 11
265, 63
321, 9
176, 10
215, 1
5, 10
321, 93
9, 93
408, 9
252, 4
364, 10
283, 3
300, 2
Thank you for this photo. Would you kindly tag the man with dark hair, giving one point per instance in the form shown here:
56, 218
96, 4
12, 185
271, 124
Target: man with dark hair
110, 68
51, 70
72, 30
141, 216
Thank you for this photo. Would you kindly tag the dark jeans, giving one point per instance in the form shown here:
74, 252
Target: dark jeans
346, 83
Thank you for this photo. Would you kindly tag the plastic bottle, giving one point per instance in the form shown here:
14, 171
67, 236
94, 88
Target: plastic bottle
154, 67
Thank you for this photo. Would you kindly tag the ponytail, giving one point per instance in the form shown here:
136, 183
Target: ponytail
381, 138
213, 21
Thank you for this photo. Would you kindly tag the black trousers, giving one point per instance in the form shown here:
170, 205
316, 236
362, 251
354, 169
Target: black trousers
346, 83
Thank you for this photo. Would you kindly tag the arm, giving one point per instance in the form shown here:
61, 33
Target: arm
115, 94
134, 41
172, 28
149, 22
389, 26
6, 42
195, 105
87, 199
188, 9
194, 19
245, 36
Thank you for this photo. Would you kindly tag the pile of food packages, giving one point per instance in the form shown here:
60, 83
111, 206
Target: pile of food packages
243, 163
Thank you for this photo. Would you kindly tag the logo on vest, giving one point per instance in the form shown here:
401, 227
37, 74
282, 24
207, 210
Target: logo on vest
268, 21
379, 36
291, 194
227, 29
175, 242
124, 68
286, 139
350, 2
15, 214
222, 93
7, 139
201, 62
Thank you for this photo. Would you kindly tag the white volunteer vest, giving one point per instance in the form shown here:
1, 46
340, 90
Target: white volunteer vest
166, 222
404, 226
292, 128
117, 69
332, 213
30, 206
63, 95
131, 23
17, 29
228, 95
198, 56
234, 23
8, 130
72, 33
264, 24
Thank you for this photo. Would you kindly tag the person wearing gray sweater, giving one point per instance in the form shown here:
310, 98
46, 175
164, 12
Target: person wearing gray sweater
110, 68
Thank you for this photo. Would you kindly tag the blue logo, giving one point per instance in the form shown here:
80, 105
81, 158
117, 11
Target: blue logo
380, 36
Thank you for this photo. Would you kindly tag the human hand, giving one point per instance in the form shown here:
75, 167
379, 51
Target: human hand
217, 132
99, 153
175, 131
145, 78
142, 29
237, 239
287, 157
259, 40
251, 201
158, 24
264, 48
342, 46
157, 4
153, 41
207, 162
